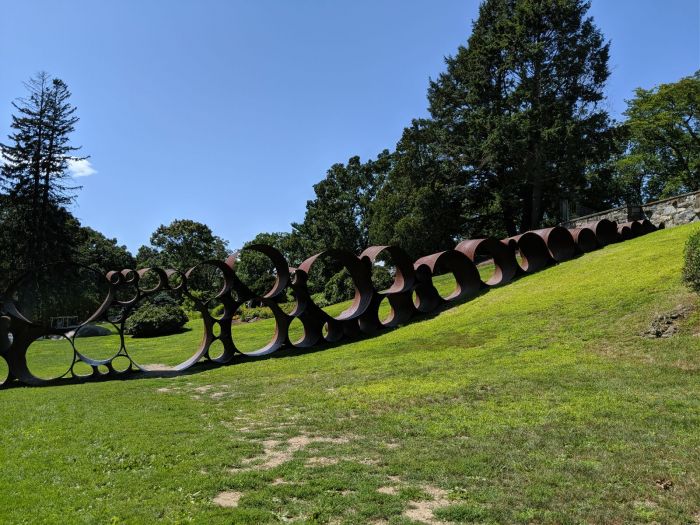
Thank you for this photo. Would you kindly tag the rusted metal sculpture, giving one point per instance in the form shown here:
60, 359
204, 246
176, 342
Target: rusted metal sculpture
585, 239
503, 257
625, 232
636, 228
605, 231
532, 249
560, 243
117, 294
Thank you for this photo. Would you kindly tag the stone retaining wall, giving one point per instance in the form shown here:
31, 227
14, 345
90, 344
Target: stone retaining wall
673, 211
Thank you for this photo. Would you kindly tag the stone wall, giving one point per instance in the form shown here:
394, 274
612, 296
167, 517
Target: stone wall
673, 211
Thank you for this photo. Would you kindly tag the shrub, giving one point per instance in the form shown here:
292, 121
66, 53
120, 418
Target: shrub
339, 288
150, 320
691, 268
247, 314
382, 277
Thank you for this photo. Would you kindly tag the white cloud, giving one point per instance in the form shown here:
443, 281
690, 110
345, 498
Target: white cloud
80, 168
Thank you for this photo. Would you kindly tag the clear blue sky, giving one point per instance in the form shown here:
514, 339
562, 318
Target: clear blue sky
228, 111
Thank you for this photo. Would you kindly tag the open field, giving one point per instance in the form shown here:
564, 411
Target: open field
538, 402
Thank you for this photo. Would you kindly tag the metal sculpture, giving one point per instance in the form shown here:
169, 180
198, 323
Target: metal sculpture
585, 239
118, 293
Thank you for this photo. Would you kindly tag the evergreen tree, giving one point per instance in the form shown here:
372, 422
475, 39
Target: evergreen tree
521, 108
35, 178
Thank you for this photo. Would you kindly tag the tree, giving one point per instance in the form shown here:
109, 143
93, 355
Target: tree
182, 244
256, 269
420, 206
340, 215
662, 155
35, 176
520, 106
95, 250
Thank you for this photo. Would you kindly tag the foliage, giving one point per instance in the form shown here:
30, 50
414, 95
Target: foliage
341, 213
420, 206
34, 178
339, 287
520, 106
158, 316
247, 314
662, 154
182, 245
19, 252
95, 250
382, 278
691, 267
255, 269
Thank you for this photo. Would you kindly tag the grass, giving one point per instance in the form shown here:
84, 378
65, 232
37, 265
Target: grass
537, 402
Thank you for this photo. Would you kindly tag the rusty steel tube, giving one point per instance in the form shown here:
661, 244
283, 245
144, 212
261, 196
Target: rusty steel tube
506, 267
636, 228
122, 291
625, 232
559, 242
605, 231
585, 239
647, 226
533, 251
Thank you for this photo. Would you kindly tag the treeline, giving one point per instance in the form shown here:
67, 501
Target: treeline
517, 138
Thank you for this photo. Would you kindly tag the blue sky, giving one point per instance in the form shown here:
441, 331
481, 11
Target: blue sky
227, 111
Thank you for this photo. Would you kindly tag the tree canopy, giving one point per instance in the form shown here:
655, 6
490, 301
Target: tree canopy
34, 177
662, 152
520, 106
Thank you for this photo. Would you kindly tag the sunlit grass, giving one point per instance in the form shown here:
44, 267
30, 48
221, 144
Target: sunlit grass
536, 402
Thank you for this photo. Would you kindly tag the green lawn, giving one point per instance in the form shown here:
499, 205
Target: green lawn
537, 402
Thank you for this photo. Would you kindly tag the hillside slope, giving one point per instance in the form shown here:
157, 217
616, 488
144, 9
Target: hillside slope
536, 402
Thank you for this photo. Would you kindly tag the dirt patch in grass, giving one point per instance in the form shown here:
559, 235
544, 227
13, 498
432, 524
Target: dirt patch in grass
667, 324
157, 367
423, 510
228, 499
664, 484
321, 462
276, 453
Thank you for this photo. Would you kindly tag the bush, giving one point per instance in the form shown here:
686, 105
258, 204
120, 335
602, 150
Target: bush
247, 314
691, 268
151, 320
382, 277
339, 288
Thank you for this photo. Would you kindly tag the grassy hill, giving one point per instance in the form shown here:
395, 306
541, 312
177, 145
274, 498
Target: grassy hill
538, 402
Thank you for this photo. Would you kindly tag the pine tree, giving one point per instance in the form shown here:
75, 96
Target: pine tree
35, 178
521, 107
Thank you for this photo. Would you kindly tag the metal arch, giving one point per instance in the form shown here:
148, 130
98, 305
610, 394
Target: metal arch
533, 251
127, 288
506, 267
585, 239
